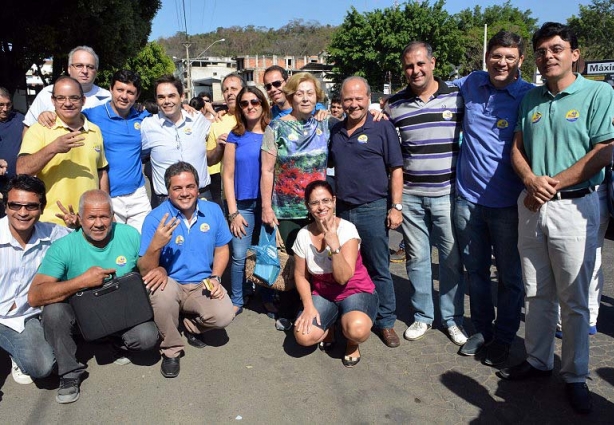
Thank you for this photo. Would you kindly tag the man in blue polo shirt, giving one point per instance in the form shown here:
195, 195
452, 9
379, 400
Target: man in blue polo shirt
11, 129
486, 215
365, 153
563, 140
120, 124
428, 114
189, 238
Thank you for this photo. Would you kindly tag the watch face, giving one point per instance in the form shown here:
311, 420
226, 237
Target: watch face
398, 207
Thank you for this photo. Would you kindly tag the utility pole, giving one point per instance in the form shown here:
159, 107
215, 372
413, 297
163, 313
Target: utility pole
188, 64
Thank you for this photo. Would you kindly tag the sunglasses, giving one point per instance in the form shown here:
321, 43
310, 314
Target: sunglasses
277, 84
245, 103
15, 206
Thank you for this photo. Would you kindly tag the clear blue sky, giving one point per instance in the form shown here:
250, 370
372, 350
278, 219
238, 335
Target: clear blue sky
206, 15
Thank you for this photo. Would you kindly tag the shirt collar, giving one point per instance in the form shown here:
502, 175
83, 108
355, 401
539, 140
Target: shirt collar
442, 88
7, 238
86, 124
512, 88
112, 114
174, 211
185, 117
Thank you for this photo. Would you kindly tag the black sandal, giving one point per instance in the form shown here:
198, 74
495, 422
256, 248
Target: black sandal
349, 361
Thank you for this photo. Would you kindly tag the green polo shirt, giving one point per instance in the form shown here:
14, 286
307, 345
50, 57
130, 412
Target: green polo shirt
559, 130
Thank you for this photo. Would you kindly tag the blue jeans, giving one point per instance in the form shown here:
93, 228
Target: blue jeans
481, 230
331, 310
370, 221
29, 349
251, 212
429, 221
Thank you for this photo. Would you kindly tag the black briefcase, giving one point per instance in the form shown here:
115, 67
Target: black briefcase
120, 304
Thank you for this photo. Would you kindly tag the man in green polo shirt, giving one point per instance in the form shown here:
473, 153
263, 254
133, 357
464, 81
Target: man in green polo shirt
562, 142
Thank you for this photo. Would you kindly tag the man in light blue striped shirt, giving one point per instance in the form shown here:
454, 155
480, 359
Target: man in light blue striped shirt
23, 243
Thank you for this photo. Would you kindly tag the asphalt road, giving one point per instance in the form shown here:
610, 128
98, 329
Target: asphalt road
252, 373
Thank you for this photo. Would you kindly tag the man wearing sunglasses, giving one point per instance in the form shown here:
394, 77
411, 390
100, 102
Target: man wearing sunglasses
23, 243
69, 157
83, 67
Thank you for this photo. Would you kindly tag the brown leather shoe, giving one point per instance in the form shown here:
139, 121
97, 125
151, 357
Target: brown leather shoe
389, 337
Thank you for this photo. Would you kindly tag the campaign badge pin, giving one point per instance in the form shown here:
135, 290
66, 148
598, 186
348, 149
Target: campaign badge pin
188, 131
137, 125
292, 137
363, 138
121, 261
572, 115
204, 227
502, 123
179, 240
536, 117
447, 115
319, 132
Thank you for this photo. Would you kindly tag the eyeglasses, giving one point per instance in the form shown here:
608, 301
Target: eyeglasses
206, 100
15, 206
81, 66
64, 99
6, 105
245, 103
508, 59
327, 202
277, 84
555, 50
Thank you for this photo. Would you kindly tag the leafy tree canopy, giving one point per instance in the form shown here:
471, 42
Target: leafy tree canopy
593, 27
34, 30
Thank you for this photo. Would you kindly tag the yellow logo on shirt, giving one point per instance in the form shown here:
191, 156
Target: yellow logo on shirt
362, 138
187, 131
572, 115
292, 137
137, 125
536, 117
204, 227
502, 123
179, 240
318, 132
121, 261
447, 115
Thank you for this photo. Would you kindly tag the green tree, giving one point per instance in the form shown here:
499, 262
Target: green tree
34, 30
593, 28
150, 63
498, 17
370, 44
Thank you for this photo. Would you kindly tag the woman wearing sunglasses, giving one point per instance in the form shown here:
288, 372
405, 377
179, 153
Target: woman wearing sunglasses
241, 177
331, 278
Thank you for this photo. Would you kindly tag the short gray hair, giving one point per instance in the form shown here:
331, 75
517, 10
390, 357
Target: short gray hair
4, 93
92, 196
87, 49
359, 78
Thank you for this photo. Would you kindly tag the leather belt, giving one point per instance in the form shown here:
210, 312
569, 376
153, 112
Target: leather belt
573, 194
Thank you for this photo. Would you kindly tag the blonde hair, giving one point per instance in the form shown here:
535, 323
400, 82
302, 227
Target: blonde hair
294, 81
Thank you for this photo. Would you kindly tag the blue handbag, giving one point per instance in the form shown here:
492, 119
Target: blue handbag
267, 266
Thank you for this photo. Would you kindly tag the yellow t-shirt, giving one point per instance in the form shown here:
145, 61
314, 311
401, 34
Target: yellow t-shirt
68, 174
217, 128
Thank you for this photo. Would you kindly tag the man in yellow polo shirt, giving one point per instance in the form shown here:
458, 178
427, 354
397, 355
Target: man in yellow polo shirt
231, 86
69, 156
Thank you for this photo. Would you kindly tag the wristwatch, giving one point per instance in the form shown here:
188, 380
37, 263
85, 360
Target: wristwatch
398, 207
219, 279
336, 251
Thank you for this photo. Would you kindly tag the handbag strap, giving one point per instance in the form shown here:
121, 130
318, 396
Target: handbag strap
279, 240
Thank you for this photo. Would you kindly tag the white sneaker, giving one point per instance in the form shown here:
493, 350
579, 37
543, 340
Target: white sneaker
457, 335
416, 331
18, 375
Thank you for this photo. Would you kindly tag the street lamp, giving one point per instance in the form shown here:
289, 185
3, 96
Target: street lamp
203, 52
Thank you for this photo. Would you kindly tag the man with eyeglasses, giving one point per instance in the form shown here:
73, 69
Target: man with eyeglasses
69, 157
11, 129
83, 67
173, 135
23, 244
563, 141
216, 139
486, 215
